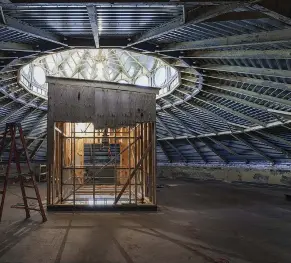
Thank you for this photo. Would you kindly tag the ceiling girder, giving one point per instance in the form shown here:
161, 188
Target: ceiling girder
257, 82
177, 151
279, 10
277, 73
275, 147
239, 54
233, 112
255, 149
195, 119
36, 124
165, 126
215, 116
191, 17
11, 46
274, 137
6, 117
197, 150
94, 24
227, 148
236, 99
38, 146
184, 125
164, 151
213, 150
32, 31
269, 37
272, 99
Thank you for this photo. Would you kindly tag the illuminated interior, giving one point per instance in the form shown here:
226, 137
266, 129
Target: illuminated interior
100, 167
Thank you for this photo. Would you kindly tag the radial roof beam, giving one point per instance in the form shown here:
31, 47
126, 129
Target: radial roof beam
38, 146
204, 125
277, 73
258, 82
6, 117
275, 147
31, 113
164, 151
94, 24
192, 17
280, 10
272, 99
165, 126
185, 126
37, 124
197, 150
255, 149
214, 150
227, 148
11, 46
233, 112
19, 26
240, 54
241, 101
275, 138
212, 114
177, 151
265, 37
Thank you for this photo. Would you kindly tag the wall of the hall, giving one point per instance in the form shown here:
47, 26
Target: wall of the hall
228, 174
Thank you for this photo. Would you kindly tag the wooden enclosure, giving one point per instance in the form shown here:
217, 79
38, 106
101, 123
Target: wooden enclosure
101, 158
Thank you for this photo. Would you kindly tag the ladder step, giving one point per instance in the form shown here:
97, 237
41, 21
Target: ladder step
32, 198
23, 207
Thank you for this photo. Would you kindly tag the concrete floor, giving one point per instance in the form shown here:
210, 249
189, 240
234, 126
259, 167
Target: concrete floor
197, 222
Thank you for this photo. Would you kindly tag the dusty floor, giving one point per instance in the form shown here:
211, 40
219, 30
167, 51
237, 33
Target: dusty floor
197, 222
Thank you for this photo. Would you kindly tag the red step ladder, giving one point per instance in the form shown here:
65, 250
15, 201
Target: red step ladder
17, 147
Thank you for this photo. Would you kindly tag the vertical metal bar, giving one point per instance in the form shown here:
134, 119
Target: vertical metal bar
154, 162
74, 178
53, 165
135, 162
94, 171
129, 163
115, 167
62, 162
142, 164
146, 160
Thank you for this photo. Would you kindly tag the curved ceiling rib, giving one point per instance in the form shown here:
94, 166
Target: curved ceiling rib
233, 103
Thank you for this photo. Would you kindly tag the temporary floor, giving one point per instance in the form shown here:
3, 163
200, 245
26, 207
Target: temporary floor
196, 222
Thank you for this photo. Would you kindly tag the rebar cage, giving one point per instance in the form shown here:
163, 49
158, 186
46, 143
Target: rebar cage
103, 167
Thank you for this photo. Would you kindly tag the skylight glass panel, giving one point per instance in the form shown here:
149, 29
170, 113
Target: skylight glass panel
115, 65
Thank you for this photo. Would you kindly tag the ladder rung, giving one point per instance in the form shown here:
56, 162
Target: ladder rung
33, 198
23, 207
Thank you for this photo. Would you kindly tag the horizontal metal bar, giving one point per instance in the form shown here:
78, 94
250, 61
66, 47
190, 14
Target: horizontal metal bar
194, 16
239, 54
265, 37
11, 46
32, 31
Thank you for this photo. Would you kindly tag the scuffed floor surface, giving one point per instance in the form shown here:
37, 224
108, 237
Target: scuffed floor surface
197, 222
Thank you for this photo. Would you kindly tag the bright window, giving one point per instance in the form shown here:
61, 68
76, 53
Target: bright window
115, 65
142, 81
161, 76
39, 75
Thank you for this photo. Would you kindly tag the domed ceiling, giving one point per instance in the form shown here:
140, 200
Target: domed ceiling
230, 104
